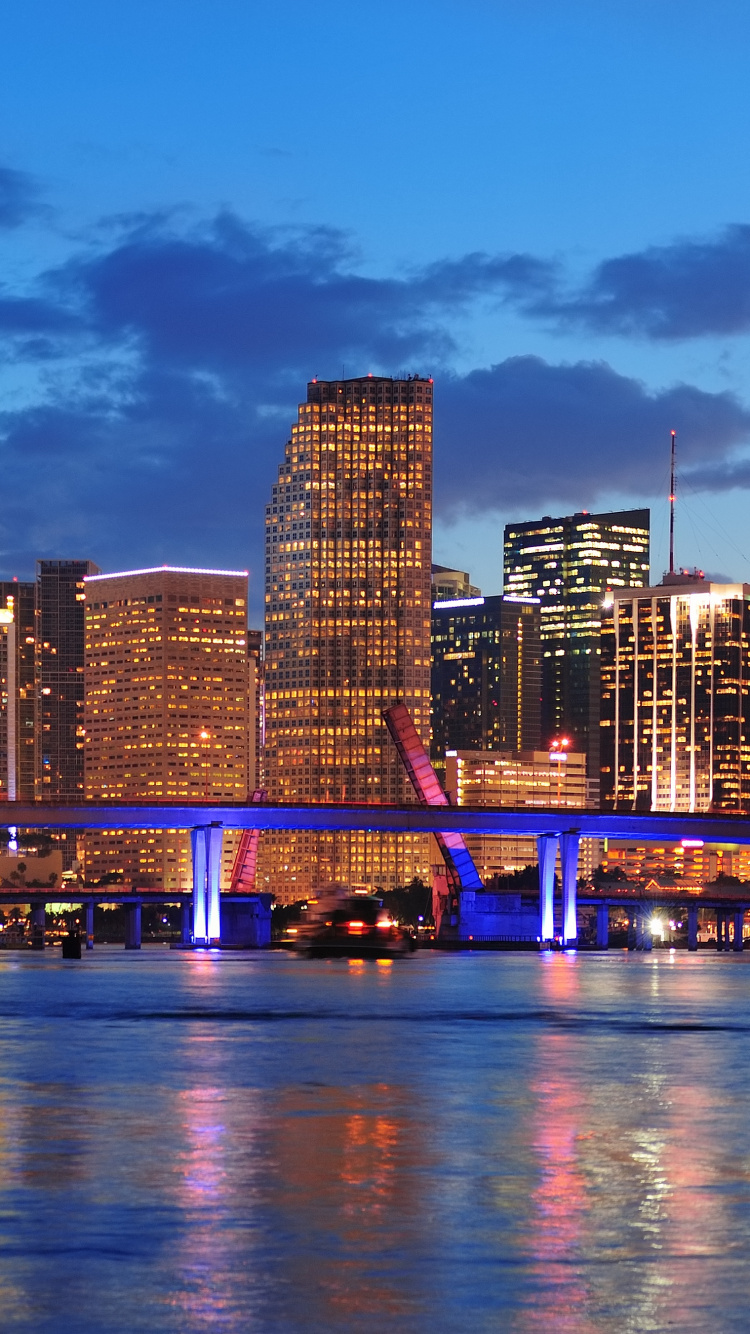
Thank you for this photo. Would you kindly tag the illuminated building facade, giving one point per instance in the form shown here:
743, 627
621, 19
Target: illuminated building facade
534, 778
169, 709
675, 723
348, 558
60, 662
448, 584
18, 703
486, 675
569, 563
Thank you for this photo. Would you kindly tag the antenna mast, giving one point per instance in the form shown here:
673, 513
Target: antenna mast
671, 507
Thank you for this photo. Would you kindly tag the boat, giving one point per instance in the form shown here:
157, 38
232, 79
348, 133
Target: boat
341, 923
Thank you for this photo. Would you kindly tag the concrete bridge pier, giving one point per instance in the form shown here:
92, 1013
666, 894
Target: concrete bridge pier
186, 924
38, 922
739, 922
90, 925
602, 926
722, 931
639, 931
693, 927
206, 842
133, 925
569, 844
546, 852
631, 929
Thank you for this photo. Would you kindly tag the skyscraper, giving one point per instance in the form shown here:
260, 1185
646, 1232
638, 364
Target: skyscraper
568, 564
18, 708
60, 660
486, 675
170, 708
348, 557
676, 697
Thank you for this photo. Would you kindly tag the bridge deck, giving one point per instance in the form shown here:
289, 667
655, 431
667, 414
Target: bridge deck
632, 826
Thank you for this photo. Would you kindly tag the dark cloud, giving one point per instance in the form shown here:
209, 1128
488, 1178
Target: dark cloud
529, 433
688, 289
170, 360
18, 197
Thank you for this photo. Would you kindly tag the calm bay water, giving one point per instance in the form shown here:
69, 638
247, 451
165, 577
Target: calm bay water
484, 1142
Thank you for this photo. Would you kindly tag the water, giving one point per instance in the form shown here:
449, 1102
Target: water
484, 1142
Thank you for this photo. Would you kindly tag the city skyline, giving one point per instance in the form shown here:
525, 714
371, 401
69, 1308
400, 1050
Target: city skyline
180, 252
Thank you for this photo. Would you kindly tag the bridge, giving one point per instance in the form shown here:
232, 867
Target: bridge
556, 828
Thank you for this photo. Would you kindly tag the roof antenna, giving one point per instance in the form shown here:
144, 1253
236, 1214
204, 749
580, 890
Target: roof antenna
671, 506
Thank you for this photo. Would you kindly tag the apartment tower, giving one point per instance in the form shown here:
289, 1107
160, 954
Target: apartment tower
348, 560
169, 711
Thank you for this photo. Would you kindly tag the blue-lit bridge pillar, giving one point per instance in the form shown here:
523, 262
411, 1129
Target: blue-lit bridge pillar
133, 925
569, 844
739, 922
206, 845
693, 927
546, 852
602, 926
90, 925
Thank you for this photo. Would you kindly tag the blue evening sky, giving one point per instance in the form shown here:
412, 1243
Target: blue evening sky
545, 205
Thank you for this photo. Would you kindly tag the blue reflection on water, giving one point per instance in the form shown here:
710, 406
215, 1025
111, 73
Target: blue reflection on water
487, 1142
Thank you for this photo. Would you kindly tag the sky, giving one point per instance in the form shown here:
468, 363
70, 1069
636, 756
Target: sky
203, 205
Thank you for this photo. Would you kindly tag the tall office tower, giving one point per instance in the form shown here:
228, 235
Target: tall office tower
448, 584
569, 564
255, 653
60, 659
170, 708
348, 551
18, 762
486, 675
676, 697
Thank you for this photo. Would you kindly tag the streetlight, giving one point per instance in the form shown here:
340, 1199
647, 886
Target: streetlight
205, 737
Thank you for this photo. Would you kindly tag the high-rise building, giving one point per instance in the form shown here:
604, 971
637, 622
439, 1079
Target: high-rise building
486, 675
535, 778
675, 720
569, 564
348, 558
448, 584
60, 661
18, 707
169, 709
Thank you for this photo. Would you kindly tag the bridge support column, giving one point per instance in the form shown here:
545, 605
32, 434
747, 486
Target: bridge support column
602, 926
90, 925
186, 933
692, 927
569, 844
133, 925
720, 928
38, 922
206, 844
546, 845
739, 922
198, 844
639, 932
214, 841
631, 929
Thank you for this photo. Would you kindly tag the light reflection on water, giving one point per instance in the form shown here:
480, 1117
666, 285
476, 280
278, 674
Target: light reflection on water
489, 1142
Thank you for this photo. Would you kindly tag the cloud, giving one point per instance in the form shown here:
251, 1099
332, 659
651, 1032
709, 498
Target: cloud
689, 289
166, 361
18, 197
527, 433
